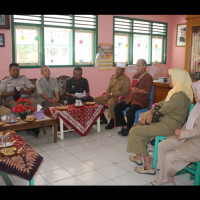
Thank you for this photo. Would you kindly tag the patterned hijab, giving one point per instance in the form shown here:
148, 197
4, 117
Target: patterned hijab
181, 81
196, 110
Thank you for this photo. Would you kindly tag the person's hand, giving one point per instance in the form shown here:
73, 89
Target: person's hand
107, 97
178, 134
23, 91
73, 96
52, 101
148, 117
142, 121
134, 90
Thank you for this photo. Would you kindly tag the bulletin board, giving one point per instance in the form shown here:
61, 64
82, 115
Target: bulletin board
104, 58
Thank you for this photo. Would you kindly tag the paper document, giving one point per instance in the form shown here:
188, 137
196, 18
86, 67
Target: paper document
80, 95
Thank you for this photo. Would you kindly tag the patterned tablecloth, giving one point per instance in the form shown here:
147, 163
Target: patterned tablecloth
81, 119
25, 163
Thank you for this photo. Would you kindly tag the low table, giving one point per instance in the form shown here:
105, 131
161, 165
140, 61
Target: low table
81, 119
23, 164
23, 125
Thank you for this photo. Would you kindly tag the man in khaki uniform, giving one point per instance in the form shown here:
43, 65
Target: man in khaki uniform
16, 86
118, 86
47, 88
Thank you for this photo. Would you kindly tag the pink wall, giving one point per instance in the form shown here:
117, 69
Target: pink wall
99, 79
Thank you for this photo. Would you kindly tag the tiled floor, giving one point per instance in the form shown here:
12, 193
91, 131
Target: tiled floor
95, 159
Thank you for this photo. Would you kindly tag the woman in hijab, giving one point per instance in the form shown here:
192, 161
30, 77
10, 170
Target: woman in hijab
174, 109
181, 149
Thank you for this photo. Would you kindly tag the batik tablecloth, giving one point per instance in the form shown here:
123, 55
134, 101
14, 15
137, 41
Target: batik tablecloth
81, 119
25, 163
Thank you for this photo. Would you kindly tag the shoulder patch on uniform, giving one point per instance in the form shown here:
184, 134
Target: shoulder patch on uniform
5, 77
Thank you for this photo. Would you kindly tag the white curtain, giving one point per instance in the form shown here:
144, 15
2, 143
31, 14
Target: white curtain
195, 53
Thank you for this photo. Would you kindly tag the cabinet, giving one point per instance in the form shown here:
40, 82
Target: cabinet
192, 48
160, 92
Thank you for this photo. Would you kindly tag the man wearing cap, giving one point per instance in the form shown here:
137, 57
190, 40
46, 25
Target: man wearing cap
138, 97
118, 86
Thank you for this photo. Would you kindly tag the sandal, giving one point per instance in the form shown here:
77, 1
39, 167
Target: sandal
132, 159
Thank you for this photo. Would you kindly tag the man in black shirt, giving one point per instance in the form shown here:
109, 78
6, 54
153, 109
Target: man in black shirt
77, 84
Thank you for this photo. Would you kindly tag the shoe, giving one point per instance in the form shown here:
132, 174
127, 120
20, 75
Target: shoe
120, 132
141, 170
37, 131
124, 132
110, 125
103, 119
132, 159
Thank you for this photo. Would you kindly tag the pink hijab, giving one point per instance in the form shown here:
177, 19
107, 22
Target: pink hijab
196, 110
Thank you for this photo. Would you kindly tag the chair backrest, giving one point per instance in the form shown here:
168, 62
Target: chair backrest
151, 97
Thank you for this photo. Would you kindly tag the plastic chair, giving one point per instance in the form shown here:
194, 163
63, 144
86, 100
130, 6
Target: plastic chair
137, 113
160, 138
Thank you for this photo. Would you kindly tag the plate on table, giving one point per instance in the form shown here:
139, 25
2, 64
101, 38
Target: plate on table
9, 151
30, 120
62, 107
89, 103
12, 121
2, 123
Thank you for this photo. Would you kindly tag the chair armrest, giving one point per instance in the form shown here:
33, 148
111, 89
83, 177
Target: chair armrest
120, 97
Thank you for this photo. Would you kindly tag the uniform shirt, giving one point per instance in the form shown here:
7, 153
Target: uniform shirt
72, 87
144, 83
120, 86
47, 87
8, 84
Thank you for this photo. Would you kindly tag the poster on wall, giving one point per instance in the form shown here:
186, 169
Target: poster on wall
104, 58
181, 35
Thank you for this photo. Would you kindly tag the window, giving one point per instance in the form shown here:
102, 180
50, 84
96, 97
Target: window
135, 39
54, 40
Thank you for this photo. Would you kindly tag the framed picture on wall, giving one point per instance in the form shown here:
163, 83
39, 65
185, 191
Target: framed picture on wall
181, 35
2, 41
4, 22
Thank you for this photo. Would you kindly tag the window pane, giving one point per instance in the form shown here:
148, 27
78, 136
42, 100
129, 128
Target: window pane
27, 45
121, 48
141, 48
58, 46
84, 47
157, 49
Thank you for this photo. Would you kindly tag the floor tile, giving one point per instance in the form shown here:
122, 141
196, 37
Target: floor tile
112, 171
92, 178
56, 175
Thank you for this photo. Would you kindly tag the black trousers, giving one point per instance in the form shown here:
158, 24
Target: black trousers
130, 114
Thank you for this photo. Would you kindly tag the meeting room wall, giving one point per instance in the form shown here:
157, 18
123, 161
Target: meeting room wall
99, 79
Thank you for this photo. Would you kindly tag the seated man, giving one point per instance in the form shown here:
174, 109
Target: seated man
138, 97
77, 84
3, 110
15, 86
47, 88
118, 86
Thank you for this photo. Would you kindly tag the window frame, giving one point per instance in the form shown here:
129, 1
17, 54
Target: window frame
132, 32
42, 47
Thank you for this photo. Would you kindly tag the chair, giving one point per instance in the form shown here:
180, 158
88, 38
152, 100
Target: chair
137, 113
193, 169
